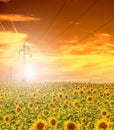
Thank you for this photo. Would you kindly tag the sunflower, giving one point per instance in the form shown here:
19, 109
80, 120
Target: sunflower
1, 98
108, 116
101, 95
76, 103
66, 102
81, 92
21, 127
70, 125
30, 105
44, 112
18, 110
6, 118
94, 91
103, 125
66, 97
107, 94
53, 122
38, 106
56, 110
39, 117
51, 105
84, 121
53, 99
62, 89
75, 92
60, 95
106, 102
91, 89
44, 97
39, 125
11, 117
98, 104
104, 113
89, 99
112, 102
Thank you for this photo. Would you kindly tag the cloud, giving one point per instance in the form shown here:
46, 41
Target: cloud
67, 41
10, 37
9, 44
90, 61
81, 66
73, 22
5, 1
76, 67
17, 18
98, 44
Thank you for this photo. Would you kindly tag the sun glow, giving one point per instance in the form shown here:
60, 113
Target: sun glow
29, 73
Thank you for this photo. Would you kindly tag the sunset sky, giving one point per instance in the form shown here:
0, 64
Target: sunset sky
68, 39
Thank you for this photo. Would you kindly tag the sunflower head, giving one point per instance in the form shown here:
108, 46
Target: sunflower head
39, 125
76, 103
44, 112
51, 105
89, 99
6, 118
104, 113
98, 104
84, 120
21, 127
102, 125
70, 125
81, 92
60, 95
53, 122
18, 110
11, 117
30, 105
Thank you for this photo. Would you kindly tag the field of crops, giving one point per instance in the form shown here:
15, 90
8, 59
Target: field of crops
56, 106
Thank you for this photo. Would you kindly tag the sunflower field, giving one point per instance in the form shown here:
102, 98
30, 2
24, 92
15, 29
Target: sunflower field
56, 106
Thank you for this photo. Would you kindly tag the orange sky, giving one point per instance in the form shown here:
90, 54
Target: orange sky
57, 53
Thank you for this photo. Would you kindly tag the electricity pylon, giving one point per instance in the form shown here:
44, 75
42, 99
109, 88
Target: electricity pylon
25, 50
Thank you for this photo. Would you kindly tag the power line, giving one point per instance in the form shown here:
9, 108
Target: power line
13, 26
78, 18
98, 28
54, 19
3, 28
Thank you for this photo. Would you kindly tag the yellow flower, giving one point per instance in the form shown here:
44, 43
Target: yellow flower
53, 122
21, 127
89, 99
70, 125
60, 95
103, 125
6, 118
104, 113
51, 105
84, 120
98, 104
76, 103
44, 112
81, 92
11, 117
18, 109
30, 105
39, 125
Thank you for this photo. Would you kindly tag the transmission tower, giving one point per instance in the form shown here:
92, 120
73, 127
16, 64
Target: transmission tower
25, 50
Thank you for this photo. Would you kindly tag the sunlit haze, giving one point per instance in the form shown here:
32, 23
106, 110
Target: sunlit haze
29, 73
64, 40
